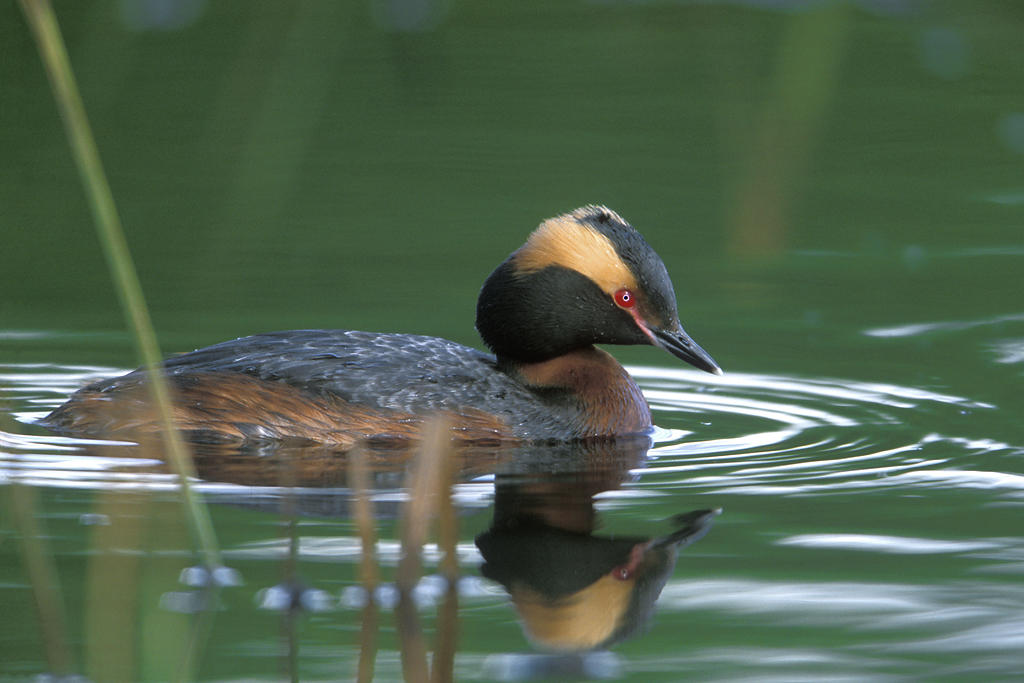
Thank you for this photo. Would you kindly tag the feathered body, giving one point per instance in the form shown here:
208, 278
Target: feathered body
582, 278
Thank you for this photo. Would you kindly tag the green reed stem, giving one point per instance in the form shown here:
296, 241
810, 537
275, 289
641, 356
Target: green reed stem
199, 635
442, 665
423, 481
359, 483
46, 31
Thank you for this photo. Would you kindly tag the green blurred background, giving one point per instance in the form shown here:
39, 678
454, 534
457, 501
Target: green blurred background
366, 164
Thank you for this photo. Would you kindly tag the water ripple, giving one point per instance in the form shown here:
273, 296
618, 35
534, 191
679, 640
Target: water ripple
776, 435
944, 326
899, 545
752, 434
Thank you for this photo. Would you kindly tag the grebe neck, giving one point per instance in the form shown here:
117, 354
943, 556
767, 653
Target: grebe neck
607, 399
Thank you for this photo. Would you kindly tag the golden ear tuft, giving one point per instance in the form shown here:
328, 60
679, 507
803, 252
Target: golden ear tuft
568, 242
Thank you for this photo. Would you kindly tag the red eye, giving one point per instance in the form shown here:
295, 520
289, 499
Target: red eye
625, 299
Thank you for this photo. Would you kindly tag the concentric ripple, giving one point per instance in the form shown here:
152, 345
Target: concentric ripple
742, 433
765, 434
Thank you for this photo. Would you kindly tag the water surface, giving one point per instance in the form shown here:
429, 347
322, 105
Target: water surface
836, 194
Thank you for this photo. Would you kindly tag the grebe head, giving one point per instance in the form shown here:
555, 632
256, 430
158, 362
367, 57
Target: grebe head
582, 278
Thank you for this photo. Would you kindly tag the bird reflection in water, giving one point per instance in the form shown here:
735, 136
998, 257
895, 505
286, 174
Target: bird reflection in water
576, 593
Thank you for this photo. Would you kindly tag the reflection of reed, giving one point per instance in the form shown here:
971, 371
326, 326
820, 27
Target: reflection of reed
362, 509
112, 586
42, 575
448, 538
290, 577
428, 482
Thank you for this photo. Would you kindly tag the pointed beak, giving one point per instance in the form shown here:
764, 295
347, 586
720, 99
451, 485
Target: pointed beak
679, 344
692, 527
